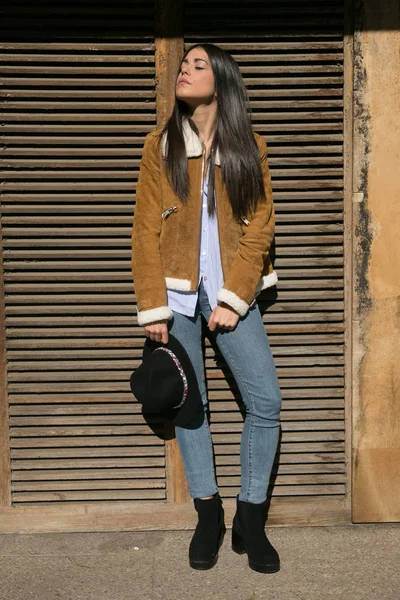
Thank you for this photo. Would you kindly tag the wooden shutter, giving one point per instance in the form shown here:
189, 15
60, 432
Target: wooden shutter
291, 56
78, 98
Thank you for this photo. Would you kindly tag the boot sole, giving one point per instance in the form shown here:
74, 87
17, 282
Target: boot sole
264, 568
205, 565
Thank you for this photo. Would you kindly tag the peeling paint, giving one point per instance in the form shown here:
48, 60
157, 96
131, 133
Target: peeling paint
362, 118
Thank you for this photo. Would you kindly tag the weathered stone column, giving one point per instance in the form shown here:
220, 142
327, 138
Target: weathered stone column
376, 274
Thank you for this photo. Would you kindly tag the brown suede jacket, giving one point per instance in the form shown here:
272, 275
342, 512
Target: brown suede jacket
166, 234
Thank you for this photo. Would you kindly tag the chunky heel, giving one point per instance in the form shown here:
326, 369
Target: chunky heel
237, 543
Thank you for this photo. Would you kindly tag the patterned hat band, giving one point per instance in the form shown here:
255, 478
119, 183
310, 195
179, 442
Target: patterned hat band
181, 372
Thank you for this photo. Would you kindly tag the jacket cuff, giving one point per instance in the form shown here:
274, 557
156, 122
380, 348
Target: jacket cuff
267, 281
233, 300
160, 313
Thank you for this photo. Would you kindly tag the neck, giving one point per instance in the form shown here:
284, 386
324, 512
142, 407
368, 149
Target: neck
205, 118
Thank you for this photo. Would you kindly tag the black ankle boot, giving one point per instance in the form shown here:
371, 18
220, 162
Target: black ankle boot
248, 535
209, 533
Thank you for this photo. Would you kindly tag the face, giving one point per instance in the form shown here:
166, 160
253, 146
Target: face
195, 83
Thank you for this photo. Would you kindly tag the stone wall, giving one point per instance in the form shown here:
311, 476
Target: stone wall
376, 275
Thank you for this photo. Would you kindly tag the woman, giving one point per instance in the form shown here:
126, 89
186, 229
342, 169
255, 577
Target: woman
204, 223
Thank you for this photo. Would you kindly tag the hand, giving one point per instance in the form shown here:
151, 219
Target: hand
223, 316
158, 331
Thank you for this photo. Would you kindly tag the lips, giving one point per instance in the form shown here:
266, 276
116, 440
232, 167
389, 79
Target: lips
183, 81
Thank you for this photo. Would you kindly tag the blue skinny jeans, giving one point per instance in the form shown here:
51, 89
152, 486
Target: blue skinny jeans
247, 352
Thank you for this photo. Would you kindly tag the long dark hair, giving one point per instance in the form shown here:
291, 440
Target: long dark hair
233, 136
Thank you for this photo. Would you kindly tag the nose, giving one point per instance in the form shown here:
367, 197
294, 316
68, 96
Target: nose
185, 69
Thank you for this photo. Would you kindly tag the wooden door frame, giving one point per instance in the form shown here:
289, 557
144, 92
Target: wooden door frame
169, 42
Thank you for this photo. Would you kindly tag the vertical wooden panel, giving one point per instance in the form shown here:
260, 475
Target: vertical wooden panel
169, 49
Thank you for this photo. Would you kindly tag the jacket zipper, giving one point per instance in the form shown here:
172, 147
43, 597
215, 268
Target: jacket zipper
167, 212
201, 211
245, 221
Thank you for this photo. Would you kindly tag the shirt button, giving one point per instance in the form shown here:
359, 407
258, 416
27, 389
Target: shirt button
204, 205
205, 278
204, 228
203, 253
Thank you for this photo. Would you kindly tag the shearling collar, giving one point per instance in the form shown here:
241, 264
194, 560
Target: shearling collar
192, 143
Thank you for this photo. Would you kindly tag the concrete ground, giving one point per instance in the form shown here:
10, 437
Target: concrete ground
360, 562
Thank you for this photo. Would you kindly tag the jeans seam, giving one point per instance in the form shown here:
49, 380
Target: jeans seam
198, 492
251, 421
210, 444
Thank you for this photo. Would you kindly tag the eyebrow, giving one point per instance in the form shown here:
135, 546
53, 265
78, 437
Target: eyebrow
185, 60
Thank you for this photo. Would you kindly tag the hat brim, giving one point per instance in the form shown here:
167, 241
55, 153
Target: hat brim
193, 409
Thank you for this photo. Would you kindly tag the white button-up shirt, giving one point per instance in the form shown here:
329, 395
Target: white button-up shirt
210, 268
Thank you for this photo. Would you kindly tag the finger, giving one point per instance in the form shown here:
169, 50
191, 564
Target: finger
211, 321
164, 337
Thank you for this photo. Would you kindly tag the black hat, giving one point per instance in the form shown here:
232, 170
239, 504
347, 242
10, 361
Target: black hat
166, 382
